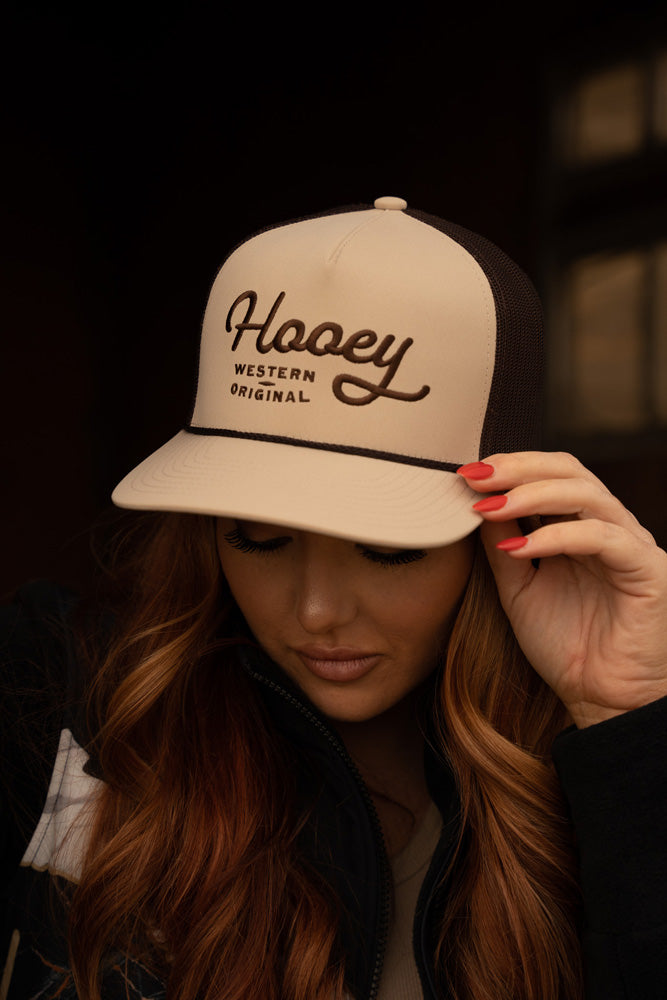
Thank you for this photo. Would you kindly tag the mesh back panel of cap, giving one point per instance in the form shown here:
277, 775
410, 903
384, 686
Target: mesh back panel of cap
513, 414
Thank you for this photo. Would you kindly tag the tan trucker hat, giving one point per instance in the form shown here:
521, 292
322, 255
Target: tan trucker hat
349, 364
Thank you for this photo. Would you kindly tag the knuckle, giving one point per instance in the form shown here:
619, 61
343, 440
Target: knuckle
644, 536
607, 530
601, 494
569, 460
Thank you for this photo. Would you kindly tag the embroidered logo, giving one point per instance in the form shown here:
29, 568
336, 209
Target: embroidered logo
360, 347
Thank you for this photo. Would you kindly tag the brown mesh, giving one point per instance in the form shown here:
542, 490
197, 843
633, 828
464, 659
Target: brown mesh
513, 414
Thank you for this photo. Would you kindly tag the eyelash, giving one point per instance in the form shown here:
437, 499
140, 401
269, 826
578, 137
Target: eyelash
239, 541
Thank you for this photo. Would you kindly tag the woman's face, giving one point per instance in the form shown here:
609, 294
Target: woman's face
357, 627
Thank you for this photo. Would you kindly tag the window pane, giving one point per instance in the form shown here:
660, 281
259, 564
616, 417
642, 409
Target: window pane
609, 114
660, 98
659, 369
607, 341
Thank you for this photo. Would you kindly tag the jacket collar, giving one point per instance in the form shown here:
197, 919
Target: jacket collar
343, 838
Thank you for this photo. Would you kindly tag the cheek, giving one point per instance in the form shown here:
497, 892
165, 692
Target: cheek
427, 625
246, 584
417, 616
258, 590
435, 605
250, 588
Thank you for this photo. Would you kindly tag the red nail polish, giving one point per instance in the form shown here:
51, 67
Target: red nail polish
491, 503
510, 544
475, 470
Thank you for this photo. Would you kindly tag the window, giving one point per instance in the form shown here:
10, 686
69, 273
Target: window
606, 250
616, 112
609, 370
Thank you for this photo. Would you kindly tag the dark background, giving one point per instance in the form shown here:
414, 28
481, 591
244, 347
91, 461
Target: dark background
140, 143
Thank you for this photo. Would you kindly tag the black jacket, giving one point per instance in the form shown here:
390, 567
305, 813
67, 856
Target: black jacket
614, 775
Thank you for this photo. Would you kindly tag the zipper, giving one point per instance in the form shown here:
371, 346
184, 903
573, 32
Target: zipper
337, 745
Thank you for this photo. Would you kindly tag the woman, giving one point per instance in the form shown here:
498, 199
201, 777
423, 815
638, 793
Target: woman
316, 754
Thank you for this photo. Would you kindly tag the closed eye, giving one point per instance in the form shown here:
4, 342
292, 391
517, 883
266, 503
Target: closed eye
400, 558
238, 540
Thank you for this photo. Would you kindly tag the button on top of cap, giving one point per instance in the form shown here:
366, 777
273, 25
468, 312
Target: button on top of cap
391, 204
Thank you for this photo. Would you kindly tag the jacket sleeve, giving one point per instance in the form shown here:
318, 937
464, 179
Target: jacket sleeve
614, 775
35, 663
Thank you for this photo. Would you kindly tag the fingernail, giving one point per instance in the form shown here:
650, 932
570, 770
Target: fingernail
509, 544
475, 470
491, 503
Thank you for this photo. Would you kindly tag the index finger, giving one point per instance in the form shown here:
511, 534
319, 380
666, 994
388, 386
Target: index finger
503, 471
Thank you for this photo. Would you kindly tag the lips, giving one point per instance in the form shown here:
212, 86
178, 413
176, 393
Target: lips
339, 663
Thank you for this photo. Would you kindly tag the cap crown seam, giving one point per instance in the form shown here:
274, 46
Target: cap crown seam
338, 249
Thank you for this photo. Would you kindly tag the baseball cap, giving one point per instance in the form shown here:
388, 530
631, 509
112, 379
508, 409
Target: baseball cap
350, 363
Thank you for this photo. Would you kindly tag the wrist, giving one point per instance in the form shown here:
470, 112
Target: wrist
585, 714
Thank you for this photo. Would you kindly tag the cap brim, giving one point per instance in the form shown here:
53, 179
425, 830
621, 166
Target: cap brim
333, 493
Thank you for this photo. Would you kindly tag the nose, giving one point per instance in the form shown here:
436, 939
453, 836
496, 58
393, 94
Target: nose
325, 598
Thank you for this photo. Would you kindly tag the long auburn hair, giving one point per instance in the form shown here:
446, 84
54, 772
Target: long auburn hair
192, 865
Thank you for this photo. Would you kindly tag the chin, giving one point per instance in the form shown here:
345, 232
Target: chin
343, 707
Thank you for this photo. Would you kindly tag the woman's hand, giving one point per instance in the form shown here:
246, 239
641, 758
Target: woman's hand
592, 616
